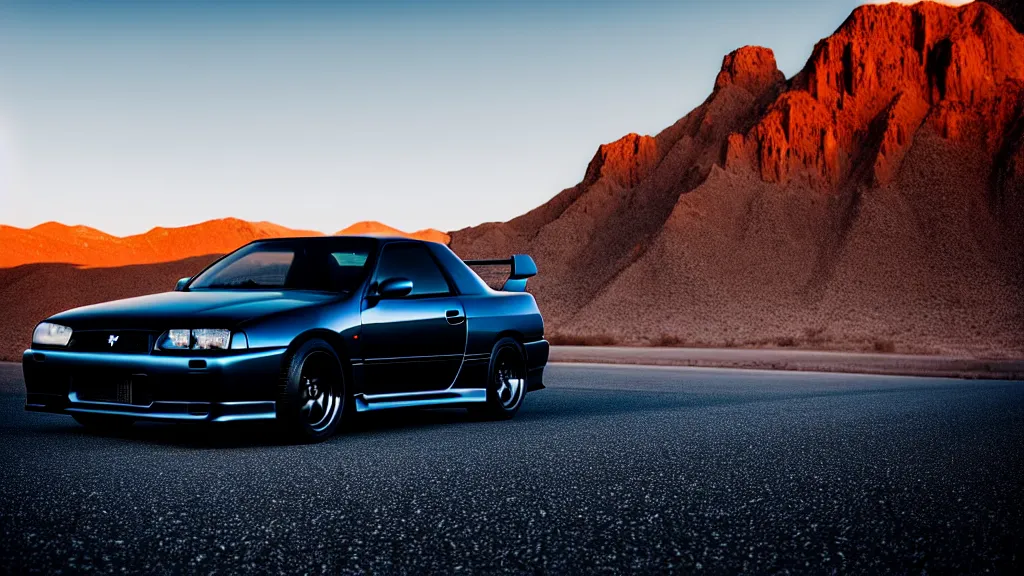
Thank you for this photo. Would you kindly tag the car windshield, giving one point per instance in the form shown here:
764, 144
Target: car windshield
323, 264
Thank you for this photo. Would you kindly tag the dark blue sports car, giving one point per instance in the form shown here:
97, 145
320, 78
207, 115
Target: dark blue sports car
302, 331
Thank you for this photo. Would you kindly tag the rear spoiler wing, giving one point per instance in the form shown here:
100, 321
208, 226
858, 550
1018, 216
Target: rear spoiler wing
521, 267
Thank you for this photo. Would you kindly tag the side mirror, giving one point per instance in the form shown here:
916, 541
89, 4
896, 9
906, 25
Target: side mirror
394, 288
180, 286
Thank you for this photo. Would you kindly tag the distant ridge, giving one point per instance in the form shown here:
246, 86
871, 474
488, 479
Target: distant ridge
374, 228
53, 242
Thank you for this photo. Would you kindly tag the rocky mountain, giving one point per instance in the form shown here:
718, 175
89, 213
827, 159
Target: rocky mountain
875, 200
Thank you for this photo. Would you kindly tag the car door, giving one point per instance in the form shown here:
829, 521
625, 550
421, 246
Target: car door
416, 342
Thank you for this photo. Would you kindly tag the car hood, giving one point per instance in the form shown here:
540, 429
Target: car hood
200, 309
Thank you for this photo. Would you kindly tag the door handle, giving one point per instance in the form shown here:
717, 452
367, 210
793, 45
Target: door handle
454, 317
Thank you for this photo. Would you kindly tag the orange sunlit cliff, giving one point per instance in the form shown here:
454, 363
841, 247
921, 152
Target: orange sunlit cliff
874, 201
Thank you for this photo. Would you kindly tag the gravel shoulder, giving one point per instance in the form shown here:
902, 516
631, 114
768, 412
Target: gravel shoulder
799, 360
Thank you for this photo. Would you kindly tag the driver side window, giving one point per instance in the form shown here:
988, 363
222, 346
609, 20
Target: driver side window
413, 262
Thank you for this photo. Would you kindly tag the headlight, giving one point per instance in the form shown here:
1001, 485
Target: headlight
179, 339
200, 339
210, 339
49, 334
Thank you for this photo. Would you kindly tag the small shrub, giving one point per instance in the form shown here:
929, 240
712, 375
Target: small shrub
556, 339
600, 340
668, 340
815, 335
885, 346
582, 339
786, 342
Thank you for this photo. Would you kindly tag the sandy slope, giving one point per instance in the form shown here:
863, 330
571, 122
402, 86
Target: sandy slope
30, 293
800, 360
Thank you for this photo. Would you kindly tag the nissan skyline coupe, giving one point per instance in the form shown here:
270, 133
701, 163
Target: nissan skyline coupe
304, 332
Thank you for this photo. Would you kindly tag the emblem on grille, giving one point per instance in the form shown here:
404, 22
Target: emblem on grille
112, 340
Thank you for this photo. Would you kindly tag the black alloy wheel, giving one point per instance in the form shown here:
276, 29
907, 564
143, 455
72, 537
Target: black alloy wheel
506, 381
313, 394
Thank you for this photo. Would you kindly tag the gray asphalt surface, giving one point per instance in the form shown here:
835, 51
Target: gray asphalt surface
612, 469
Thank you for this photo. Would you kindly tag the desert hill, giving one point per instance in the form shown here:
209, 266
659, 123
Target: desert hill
874, 200
55, 242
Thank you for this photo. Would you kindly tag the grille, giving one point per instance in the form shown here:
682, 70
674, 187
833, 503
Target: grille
114, 388
113, 341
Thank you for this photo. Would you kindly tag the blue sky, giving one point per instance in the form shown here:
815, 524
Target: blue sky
129, 115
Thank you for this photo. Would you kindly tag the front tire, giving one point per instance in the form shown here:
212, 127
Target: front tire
506, 381
313, 394
104, 423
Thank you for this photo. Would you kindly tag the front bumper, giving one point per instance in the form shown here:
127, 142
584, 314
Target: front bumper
150, 387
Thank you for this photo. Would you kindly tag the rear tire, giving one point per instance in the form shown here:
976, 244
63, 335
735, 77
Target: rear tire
506, 381
312, 396
104, 423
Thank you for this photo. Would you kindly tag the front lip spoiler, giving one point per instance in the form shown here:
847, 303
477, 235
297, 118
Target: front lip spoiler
239, 366
165, 411
156, 362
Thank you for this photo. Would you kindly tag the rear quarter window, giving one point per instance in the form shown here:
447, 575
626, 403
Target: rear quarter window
413, 262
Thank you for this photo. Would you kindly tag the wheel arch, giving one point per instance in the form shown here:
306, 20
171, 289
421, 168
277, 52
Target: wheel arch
289, 398
513, 334
494, 406
508, 335
333, 339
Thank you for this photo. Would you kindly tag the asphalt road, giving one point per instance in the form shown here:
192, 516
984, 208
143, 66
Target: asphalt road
611, 469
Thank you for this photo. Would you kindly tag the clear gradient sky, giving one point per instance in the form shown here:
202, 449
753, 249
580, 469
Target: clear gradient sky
128, 115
